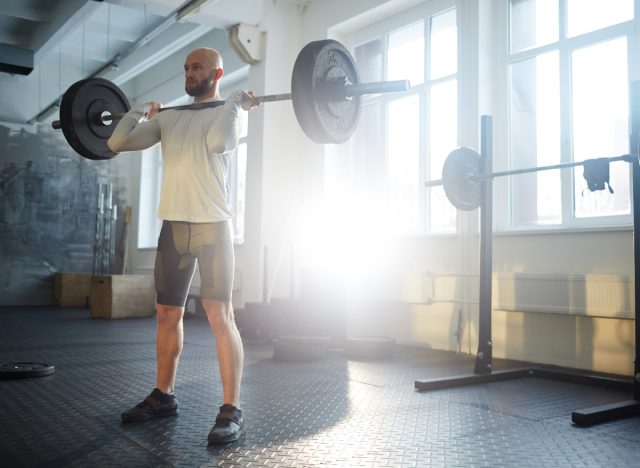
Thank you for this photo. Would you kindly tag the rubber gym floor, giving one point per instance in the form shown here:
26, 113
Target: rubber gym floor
333, 412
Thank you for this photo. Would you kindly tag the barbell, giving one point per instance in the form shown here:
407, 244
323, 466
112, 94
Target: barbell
325, 92
462, 175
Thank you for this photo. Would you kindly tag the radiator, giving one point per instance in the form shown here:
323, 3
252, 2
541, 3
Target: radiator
598, 295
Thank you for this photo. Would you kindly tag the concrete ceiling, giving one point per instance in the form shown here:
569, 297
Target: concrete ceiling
47, 45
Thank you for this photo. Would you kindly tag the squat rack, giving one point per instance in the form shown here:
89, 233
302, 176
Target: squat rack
483, 371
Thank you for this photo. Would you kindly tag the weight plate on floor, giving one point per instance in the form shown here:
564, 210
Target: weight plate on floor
21, 370
81, 110
300, 348
460, 166
368, 347
320, 74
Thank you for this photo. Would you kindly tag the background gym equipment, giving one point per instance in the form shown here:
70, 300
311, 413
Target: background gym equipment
300, 348
325, 91
24, 370
82, 109
480, 173
368, 347
462, 175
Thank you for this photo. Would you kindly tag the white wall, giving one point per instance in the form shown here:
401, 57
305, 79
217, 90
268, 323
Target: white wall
275, 160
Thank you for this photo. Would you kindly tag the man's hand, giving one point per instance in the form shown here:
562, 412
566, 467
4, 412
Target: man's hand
152, 109
249, 100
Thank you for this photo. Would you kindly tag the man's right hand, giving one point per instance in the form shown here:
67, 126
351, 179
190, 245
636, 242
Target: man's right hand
152, 109
249, 100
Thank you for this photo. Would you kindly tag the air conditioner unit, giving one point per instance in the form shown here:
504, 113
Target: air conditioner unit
248, 42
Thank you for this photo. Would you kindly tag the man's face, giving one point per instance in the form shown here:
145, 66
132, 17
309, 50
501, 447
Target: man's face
198, 74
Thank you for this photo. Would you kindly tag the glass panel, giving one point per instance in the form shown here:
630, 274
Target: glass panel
369, 163
240, 191
368, 57
601, 123
405, 59
584, 16
148, 223
404, 164
443, 55
535, 139
533, 23
244, 124
443, 138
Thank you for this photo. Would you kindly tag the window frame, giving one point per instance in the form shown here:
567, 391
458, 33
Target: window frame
565, 46
382, 30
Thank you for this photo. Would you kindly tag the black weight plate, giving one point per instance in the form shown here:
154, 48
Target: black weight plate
80, 116
369, 347
460, 166
300, 348
22, 370
324, 118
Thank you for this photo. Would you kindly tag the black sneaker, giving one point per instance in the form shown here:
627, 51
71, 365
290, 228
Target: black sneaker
228, 427
156, 405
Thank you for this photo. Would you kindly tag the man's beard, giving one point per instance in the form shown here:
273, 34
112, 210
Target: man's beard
199, 88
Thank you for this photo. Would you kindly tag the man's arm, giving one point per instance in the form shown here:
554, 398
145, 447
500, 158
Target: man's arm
223, 134
134, 134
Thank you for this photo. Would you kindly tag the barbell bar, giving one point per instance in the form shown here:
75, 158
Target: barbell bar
337, 95
462, 175
325, 92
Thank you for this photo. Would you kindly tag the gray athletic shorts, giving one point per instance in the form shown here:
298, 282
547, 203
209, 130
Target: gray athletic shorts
180, 246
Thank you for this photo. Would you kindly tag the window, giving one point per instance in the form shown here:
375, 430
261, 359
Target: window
403, 139
237, 182
568, 74
150, 180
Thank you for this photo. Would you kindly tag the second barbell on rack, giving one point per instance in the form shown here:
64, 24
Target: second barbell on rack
463, 176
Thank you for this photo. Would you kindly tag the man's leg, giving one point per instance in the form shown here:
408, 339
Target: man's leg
173, 272
169, 340
228, 346
229, 422
213, 246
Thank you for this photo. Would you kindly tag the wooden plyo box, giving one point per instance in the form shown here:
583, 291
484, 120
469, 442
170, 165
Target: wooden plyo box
120, 296
71, 289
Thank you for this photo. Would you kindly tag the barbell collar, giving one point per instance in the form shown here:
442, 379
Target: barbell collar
378, 87
433, 183
274, 97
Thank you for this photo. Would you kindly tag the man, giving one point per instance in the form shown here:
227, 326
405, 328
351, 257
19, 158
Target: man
196, 147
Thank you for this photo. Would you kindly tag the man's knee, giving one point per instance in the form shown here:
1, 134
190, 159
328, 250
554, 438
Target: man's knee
169, 315
219, 313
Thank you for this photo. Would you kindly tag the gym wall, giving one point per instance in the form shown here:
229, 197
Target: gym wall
48, 208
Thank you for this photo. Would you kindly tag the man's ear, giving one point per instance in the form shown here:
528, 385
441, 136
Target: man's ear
219, 73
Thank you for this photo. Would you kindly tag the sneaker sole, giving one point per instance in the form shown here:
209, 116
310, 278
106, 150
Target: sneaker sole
226, 440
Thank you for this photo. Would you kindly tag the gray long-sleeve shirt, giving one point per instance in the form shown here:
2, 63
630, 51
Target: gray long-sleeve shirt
196, 147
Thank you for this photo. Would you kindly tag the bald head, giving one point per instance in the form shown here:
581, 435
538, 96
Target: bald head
206, 55
202, 70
